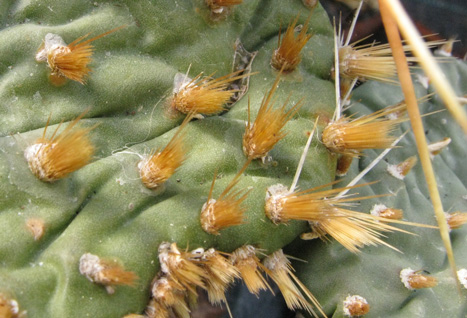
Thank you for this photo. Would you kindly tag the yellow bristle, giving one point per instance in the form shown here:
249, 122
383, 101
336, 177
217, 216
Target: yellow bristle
226, 211
371, 61
310, 205
161, 165
355, 230
220, 272
204, 96
72, 61
36, 227
456, 219
181, 310
367, 62
356, 306
416, 280
281, 272
324, 209
349, 137
105, 272
287, 56
113, 274
261, 136
156, 310
54, 158
400, 170
165, 291
167, 297
183, 271
250, 268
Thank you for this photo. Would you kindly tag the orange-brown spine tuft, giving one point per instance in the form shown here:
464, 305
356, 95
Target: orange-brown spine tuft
295, 293
267, 129
69, 61
203, 95
227, 210
350, 137
356, 306
250, 268
287, 56
416, 279
161, 165
36, 227
105, 272
54, 158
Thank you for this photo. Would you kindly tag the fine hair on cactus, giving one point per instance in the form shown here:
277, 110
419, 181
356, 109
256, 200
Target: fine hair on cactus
227, 158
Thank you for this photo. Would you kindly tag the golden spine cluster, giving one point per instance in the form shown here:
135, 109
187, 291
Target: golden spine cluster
174, 290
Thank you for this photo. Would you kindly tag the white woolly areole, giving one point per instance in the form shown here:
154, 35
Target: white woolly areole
423, 79
276, 260
207, 205
51, 42
462, 276
448, 216
197, 253
218, 10
142, 165
33, 155
90, 266
276, 191
436, 147
377, 209
208, 254
350, 301
243, 253
395, 171
14, 306
405, 275
160, 287
208, 217
182, 81
164, 256
392, 116
166, 260
147, 169
273, 206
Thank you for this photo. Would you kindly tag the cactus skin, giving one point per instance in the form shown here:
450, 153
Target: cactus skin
374, 273
103, 208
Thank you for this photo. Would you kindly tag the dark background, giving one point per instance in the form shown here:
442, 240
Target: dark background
444, 19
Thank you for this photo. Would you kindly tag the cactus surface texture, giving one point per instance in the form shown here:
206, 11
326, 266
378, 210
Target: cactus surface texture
88, 243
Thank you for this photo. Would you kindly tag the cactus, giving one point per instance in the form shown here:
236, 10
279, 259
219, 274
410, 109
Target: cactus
374, 273
89, 244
